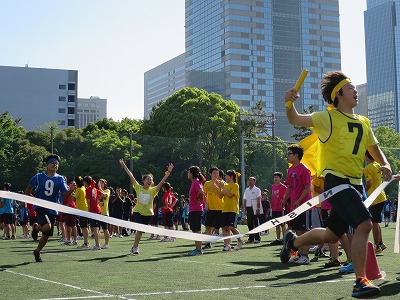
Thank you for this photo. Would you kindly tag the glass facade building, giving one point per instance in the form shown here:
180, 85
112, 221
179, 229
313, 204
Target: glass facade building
250, 51
382, 51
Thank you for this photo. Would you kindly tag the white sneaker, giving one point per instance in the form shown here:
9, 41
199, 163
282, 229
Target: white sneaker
84, 246
135, 250
239, 245
105, 246
95, 248
227, 248
302, 260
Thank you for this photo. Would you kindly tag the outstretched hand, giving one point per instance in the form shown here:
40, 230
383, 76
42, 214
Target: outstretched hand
170, 167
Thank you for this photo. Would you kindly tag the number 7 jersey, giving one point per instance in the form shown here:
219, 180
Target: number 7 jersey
48, 188
343, 141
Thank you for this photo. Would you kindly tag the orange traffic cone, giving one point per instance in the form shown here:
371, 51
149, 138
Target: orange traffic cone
372, 270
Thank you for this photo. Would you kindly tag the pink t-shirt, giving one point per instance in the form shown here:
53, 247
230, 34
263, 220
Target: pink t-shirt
197, 205
277, 194
326, 205
297, 179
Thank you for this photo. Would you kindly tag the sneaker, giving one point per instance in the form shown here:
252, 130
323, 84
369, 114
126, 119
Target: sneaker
150, 238
249, 242
287, 250
84, 246
156, 238
79, 237
195, 252
313, 248
35, 232
257, 241
276, 243
364, 288
215, 233
6, 238
73, 243
206, 246
135, 250
320, 253
239, 245
105, 246
302, 260
165, 239
383, 246
95, 248
36, 254
67, 242
13, 237
332, 263
349, 268
227, 248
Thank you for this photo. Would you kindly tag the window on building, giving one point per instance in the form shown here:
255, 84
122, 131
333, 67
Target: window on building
71, 98
61, 110
71, 110
71, 122
71, 86
62, 98
61, 122
62, 87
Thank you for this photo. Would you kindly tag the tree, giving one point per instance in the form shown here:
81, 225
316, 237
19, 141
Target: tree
303, 132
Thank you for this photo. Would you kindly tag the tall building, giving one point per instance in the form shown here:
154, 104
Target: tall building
362, 107
39, 96
382, 52
250, 51
90, 110
162, 81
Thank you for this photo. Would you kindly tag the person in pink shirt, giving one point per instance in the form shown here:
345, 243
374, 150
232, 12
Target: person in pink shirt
298, 181
196, 205
278, 190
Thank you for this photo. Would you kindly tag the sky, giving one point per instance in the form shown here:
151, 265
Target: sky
113, 43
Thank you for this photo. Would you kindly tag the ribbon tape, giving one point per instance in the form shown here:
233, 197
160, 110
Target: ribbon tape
184, 234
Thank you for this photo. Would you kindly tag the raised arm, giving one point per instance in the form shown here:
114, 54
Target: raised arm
122, 163
293, 116
170, 168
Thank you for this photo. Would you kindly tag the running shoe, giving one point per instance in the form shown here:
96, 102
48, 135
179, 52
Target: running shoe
195, 252
287, 250
135, 250
364, 288
383, 246
239, 245
206, 246
95, 248
349, 268
378, 249
105, 246
302, 260
227, 248
84, 246
36, 254
332, 263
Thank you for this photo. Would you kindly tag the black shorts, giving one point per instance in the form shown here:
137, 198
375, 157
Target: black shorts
23, 221
94, 223
70, 220
347, 206
167, 220
83, 222
9, 218
45, 218
278, 214
140, 219
103, 225
386, 214
324, 216
195, 220
213, 219
229, 219
302, 222
376, 212
32, 220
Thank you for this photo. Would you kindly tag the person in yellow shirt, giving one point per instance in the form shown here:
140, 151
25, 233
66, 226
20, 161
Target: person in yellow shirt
145, 195
230, 209
82, 204
343, 138
373, 179
213, 199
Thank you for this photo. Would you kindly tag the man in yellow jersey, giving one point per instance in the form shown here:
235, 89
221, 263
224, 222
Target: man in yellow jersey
213, 198
344, 138
373, 179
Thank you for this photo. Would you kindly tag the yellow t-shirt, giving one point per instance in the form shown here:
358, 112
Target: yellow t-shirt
371, 174
344, 139
80, 196
104, 203
144, 205
212, 199
231, 204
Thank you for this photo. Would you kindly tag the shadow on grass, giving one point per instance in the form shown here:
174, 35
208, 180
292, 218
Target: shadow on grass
3, 267
104, 258
389, 288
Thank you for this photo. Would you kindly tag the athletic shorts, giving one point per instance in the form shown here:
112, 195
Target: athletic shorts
324, 216
229, 219
386, 214
213, 219
94, 223
347, 206
168, 219
32, 220
195, 221
140, 219
45, 218
376, 212
70, 220
83, 222
104, 225
9, 218
23, 221
302, 222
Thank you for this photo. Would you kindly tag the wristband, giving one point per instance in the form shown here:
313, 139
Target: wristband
167, 173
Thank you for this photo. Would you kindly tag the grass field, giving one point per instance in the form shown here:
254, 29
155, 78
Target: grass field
164, 271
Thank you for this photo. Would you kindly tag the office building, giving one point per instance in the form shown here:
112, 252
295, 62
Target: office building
362, 107
39, 96
250, 51
90, 110
382, 52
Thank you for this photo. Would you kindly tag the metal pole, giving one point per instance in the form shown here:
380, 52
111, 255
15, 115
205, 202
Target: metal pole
242, 169
130, 160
